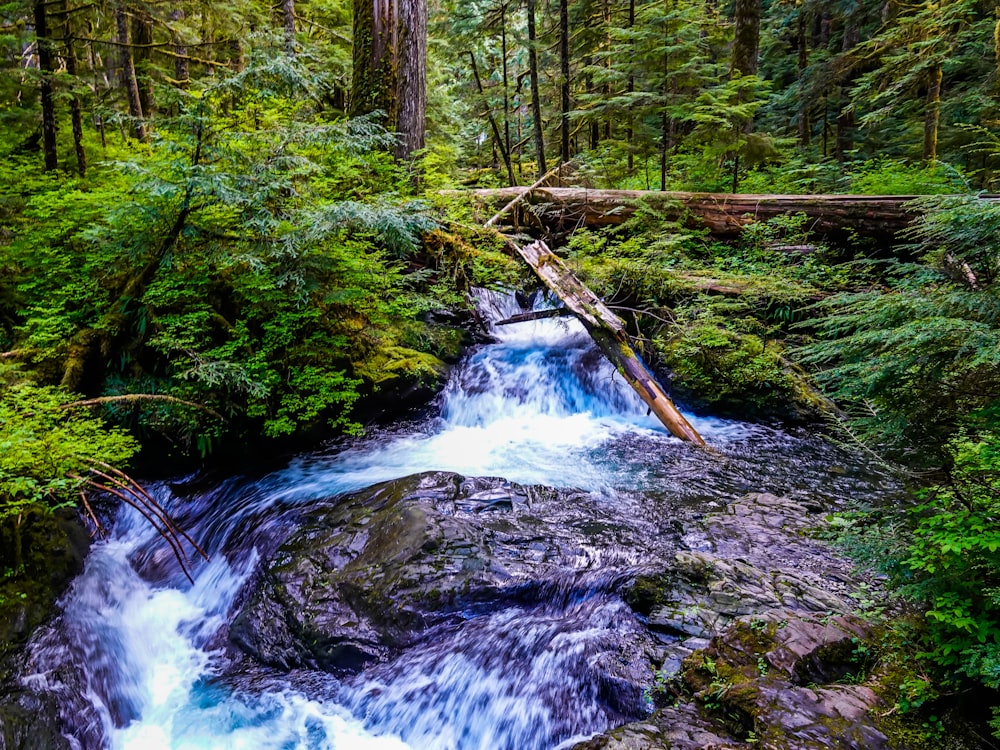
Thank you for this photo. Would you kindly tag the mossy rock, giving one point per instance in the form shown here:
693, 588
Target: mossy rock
30, 722
54, 546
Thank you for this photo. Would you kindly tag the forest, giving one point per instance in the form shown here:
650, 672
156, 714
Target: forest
242, 229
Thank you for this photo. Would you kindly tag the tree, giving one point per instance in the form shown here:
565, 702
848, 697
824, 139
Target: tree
536, 104
564, 81
390, 67
746, 37
910, 54
46, 70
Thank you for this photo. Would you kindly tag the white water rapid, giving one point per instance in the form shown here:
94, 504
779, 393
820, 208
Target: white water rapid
141, 659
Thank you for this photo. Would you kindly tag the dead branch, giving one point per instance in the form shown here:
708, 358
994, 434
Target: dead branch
555, 312
143, 397
137, 489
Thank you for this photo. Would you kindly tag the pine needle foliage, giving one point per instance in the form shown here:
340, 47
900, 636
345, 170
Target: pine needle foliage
915, 355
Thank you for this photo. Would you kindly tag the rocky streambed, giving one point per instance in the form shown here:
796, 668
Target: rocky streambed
616, 588
742, 633
725, 629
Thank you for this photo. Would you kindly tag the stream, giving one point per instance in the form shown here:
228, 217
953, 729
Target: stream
141, 658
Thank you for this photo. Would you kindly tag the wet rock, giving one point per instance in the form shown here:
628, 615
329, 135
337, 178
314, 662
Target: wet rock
54, 545
367, 575
30, 721
678, 727
816, 650
776, 604
638, 736
754, 556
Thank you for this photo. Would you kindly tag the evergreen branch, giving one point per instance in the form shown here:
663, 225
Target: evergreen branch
134, 397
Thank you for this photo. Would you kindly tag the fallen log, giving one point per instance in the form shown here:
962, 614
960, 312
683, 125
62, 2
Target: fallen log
555, 312
723, 215
522, 194
608, 332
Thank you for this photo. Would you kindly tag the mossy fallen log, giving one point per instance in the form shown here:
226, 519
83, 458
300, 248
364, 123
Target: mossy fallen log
608, 332
881, 217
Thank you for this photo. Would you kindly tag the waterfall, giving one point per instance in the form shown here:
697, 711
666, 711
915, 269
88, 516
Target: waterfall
141, 658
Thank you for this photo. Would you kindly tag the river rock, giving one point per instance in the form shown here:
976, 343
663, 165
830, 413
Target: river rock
755, 556
775, 603
30, 721
366, 575
55, 545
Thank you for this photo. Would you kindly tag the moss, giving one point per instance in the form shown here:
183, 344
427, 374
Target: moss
648, 592
54, 546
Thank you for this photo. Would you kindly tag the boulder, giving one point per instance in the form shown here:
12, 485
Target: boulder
366, 575
767, 653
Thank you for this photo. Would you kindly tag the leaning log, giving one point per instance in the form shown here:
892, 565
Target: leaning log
608, 332
881, 217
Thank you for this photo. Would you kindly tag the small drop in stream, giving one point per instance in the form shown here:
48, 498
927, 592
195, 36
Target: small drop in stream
538, 649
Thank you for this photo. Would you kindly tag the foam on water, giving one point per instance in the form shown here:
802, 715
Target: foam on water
539, 406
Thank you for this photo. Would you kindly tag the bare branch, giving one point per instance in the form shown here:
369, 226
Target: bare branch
144, 397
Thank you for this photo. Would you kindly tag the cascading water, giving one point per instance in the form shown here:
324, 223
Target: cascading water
141, 658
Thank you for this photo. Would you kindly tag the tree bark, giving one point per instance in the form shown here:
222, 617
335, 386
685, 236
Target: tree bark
881, 217
845, 117
746, 38
75, 110
46, 70
932, 113
373, 85
390, 67
536, 103
497, 137
588, 87
564, 106
505, 78
411, 121
805, 127
609, 334
746, 46
288, 23
182, 67
128, 74
143, 36
630, 87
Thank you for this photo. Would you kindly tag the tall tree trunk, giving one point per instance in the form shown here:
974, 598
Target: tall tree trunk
373, 85
564, 79
143, 39
845, 117
746, 38
45, 68
932, 113
630, 87
664, 135
805, 126
588, 86
75, 110
536, 104
128, 74
93, 61
607, 64
506, 79
390, 67
411, 122
288, 23
498, 143
746, 45
182, 66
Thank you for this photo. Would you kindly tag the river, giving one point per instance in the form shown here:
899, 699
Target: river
141, 659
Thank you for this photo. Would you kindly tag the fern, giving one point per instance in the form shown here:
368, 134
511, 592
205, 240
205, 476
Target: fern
917, 355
